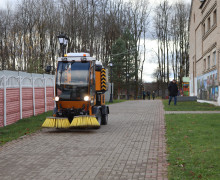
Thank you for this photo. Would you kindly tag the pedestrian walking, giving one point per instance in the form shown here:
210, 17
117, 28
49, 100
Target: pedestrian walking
173, 90
153, 95
144, 94
148, 95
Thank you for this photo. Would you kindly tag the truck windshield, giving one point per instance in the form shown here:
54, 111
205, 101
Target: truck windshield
72, 80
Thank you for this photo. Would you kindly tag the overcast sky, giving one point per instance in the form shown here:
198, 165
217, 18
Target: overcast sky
151, 45
3, 3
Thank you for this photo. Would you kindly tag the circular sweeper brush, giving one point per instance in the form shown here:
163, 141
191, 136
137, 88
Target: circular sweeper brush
77, 122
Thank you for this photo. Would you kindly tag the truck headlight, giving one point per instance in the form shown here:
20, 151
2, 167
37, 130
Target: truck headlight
56, 98
86, 98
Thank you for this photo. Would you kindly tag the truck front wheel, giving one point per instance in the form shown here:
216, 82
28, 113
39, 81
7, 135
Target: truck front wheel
99, 117
104, 119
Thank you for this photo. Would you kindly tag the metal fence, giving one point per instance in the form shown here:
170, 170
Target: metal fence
24, 94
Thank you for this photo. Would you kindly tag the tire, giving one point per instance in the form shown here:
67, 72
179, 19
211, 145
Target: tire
99, 118
104, 119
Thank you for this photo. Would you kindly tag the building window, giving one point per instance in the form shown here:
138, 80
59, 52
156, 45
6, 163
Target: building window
215, 17
214, 58
194, 17
204, 64
204, 29
208, 62
209, 23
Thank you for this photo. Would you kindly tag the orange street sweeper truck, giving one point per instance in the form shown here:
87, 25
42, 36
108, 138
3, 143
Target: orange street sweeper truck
79, 93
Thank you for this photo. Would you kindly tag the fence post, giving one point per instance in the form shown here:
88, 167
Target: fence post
20, 86
45, 94
33, 95
5, 110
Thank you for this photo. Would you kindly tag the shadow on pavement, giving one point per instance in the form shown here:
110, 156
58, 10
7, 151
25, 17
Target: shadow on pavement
77, 131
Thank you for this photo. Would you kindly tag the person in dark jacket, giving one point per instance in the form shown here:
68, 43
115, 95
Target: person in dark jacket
144, 94
148, 95
153, 95
173, 90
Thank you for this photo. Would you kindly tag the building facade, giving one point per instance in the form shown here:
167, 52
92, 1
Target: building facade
204, 51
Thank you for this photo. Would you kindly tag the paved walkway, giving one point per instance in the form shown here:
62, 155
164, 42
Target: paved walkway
131, 146
192, 112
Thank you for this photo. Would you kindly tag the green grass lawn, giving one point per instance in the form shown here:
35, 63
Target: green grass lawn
116, 101
189, 106
193, 146
22, 127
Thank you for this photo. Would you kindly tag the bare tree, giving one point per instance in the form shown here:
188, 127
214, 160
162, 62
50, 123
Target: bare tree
179, 34
28, 41
171, 32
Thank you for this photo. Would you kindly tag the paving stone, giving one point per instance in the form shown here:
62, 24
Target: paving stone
131, 146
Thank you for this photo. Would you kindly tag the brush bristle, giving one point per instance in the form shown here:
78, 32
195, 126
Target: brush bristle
57, 122
62, 123
49, 122
84, 121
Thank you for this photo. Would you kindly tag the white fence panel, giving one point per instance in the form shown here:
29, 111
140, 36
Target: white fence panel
15, 82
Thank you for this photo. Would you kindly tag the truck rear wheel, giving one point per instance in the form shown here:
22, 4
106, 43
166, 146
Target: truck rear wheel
104, 119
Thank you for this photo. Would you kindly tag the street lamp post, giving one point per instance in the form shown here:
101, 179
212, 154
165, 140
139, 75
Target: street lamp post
128, 86
111, 98
63, 39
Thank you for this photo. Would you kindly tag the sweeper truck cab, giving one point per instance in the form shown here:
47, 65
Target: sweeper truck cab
79, 93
